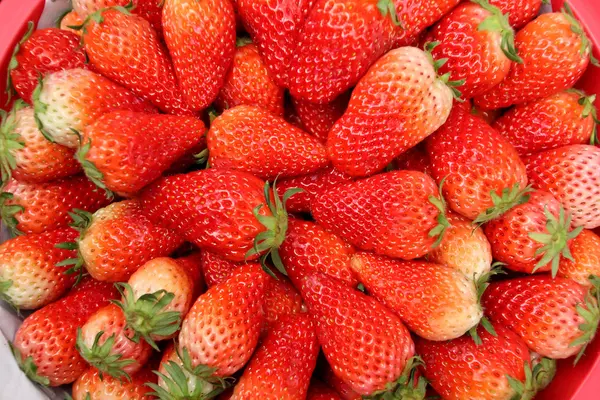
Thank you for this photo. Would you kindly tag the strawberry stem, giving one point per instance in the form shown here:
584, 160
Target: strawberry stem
9, 140
498, 22
591, 315
508, 199
8, 213
81, 222
28, 367
100, 357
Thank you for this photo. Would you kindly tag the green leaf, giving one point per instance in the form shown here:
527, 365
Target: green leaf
509, 198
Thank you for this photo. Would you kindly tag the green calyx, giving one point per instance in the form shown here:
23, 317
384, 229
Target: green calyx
407, 387
481, 284
28, 367
440, 229
536, 379
39, 107
8, 213
387, 7
4, 287
586, 45
498, 22
89, 168
13, 63
589, 109
508, 199
590, 312
243, 41
98, 17
146, 315
81, 222
445, 78
9, 140
267, 242
202, 157
555, 241
100, 356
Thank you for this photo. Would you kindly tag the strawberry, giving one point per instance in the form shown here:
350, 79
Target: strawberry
222, 329
416, 15
461, 369
478, 43
556, 317
519, 12
29, 278
533, 236
41, 52
40, 207
125, 49
192, 265
201, 40
460, 155
117, 240
320, 391
248, 82
446, 306
252, 140
398, 103
570, 173
351, 325
93, 385
150, 10
545, 70
559, 120
123, 151
216, 269
414, 159
585, 250
310, 184
397, 214
308, 248
282, 365
71, 19
338, 42
318, 119
26, 154
69, 100
44, 345
464, 248
281, 299
342, 388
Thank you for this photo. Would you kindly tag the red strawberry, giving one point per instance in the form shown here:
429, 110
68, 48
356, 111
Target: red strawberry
248, 82
192, 264
461, 369
395, 214
150, 10
40, 207
26, 154
252, 140
415, 16
478, 43
342, 388
39, 53
318, 119
69, 100
351, 325
282, 365
308, 248
29, 277
216, 269
125, 49
435, 302
71, 19
397, 104
320, 391
545, 70
460, 154
556, 317
281, 299
533, 236
201, 39
45, 343
93, 385
415, 159
585, 250
123, 151
520, 12
570, 173
310, 184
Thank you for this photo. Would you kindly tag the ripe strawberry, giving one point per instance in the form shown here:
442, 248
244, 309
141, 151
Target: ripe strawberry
308, 248
461, 369
570, 173
556, 317
117, 240
40, 207
26, 154
125, 49
282, 365
69, 100
585, 250
29, 278
71, 19
44, 345
397, 214
545, 70
41, 52
123, 151
310, 184
416, 15
248, 82
464, 248
192, 264
281, 299
216, 269
460, 154
478, 43
201, 40
351, 325
414, 159
222, 329
93, 385
558, 120
252, 140
342, 388
320, 391
534, 235
318, 119
520, 12
447, 305
397, 104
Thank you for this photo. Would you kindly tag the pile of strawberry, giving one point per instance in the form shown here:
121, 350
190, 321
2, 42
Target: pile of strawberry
407, 188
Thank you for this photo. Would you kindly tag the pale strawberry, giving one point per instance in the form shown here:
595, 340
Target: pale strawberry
93, 385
